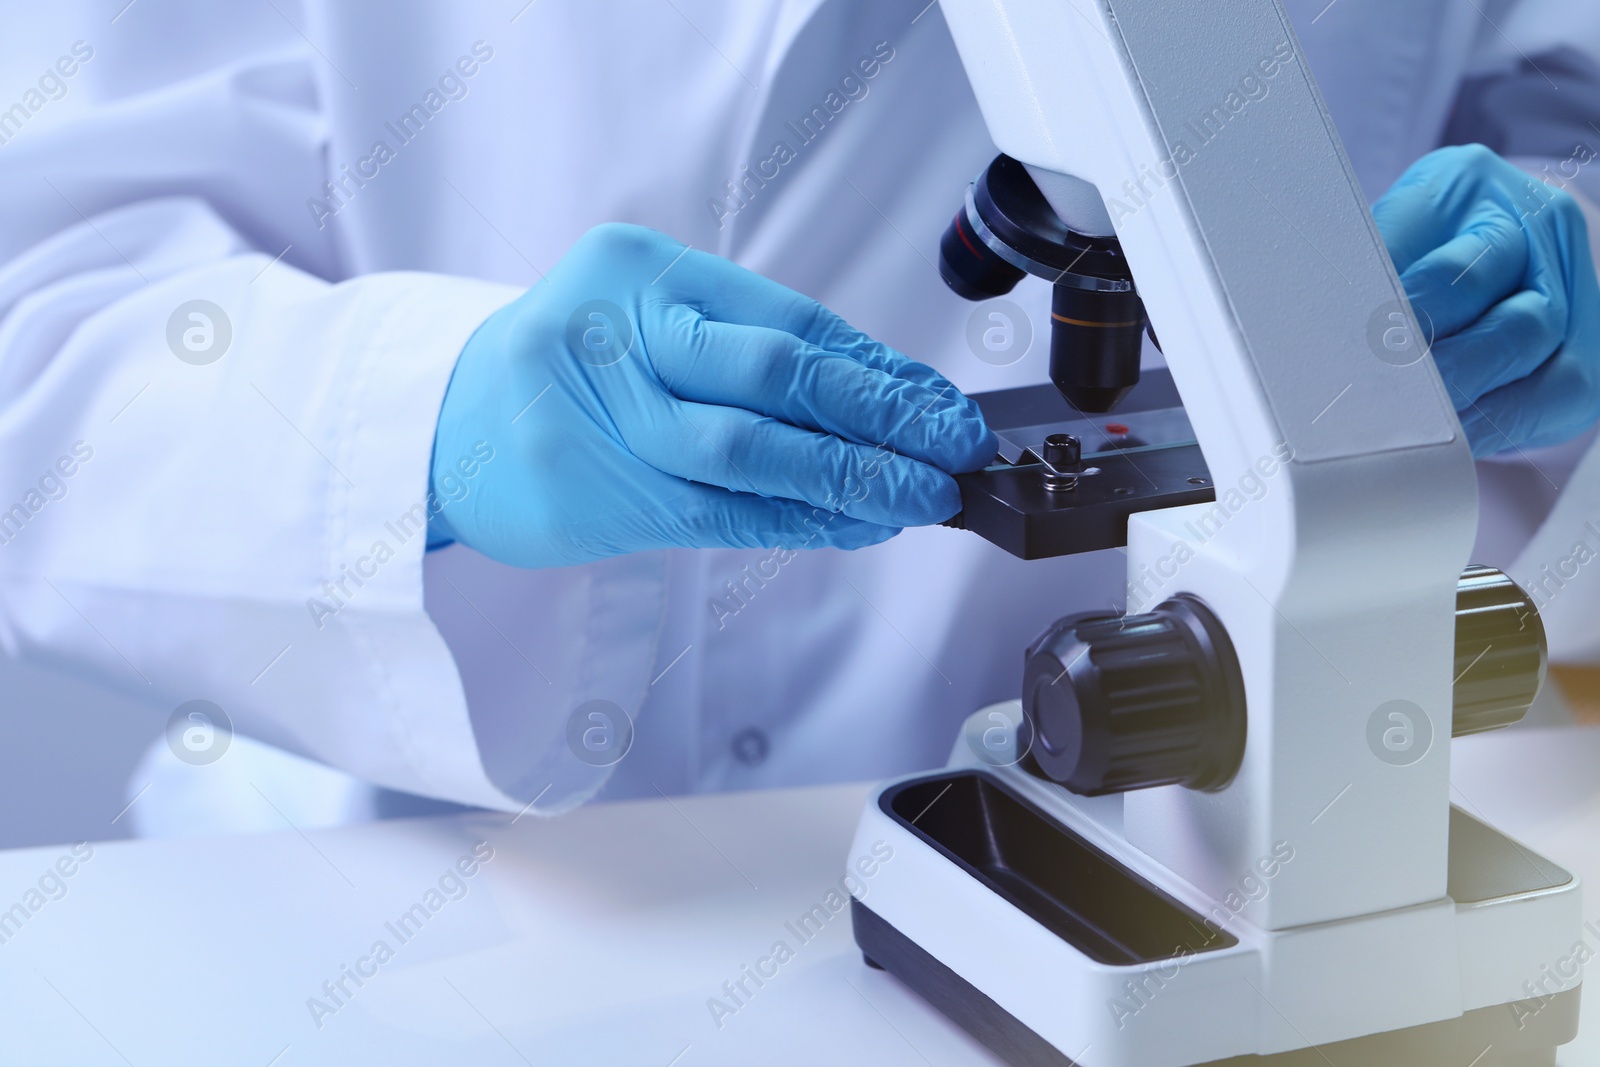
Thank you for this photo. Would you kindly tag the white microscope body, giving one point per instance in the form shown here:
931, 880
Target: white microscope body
1338, 893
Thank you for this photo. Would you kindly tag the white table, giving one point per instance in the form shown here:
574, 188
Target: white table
596, 938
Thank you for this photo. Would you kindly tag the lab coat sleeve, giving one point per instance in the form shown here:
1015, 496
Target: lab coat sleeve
213, 462
1539, 110
215, 478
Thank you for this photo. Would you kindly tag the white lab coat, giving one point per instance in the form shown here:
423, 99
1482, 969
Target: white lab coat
178, 560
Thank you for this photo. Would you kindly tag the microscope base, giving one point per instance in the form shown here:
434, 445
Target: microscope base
1021, 912
1451, 1043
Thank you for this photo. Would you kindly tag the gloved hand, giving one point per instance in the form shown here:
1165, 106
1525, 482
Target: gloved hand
1496, 264
679, 400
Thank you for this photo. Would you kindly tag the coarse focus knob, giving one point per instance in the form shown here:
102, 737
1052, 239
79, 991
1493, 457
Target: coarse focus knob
1120, 702
1500, 652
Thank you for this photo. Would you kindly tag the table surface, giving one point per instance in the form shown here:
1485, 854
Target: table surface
595, 938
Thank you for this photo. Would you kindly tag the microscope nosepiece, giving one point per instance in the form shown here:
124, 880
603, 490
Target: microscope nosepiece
1006, 229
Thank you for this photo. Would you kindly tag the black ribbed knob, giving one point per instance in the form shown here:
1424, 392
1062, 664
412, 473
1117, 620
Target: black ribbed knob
1500, 652
1120, 702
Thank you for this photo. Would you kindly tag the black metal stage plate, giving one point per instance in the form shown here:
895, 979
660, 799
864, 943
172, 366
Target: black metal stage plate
1140, 458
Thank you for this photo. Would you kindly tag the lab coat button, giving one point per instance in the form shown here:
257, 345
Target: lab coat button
750, 747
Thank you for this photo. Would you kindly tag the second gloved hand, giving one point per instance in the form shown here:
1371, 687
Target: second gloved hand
646, 396
1497, 266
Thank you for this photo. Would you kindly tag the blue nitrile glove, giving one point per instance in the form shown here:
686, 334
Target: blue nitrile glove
647, 396
1497, 266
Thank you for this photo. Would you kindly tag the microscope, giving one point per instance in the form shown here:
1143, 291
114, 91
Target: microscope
1217, 826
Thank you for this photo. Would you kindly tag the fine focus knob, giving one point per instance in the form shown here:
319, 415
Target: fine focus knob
1120, 702
1500, 652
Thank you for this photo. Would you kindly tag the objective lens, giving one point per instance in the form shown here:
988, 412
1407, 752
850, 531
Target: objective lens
1095, 339
969, 267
